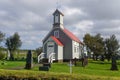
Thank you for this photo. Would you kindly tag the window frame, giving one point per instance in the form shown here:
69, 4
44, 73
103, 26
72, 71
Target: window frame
56, 34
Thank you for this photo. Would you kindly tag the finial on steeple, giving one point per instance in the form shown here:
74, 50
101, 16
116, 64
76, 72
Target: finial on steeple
58, 6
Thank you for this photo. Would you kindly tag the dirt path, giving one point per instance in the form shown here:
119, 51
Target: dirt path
22, 67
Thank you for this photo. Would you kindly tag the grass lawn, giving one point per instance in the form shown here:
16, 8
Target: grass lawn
94, 68
11, 64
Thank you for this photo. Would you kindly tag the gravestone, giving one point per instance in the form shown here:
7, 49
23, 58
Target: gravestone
44, 60
47, 64
75, 61
84, 61
29, 60
44, 68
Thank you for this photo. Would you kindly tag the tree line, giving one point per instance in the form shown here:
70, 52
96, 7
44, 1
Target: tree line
105, 48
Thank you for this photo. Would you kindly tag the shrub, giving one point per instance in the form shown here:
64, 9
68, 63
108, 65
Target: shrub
2, 55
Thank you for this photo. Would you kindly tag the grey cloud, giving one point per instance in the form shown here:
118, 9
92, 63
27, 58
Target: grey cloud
33, 19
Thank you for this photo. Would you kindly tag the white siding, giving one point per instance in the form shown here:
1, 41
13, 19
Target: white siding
61, 19
81, 50
60, 52
75, 49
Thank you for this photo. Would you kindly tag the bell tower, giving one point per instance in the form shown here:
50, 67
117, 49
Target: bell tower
58, 19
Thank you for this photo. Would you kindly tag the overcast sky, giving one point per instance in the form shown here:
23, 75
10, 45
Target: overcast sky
33, 19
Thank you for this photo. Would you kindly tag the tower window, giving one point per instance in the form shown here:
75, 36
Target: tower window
56, 18
56, 34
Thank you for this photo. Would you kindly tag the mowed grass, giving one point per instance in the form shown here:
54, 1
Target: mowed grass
11, 64
95, 69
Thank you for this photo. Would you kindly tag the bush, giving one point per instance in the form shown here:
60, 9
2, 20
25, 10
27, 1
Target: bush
2, 55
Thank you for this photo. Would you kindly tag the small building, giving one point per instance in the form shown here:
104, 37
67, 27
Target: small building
61, 41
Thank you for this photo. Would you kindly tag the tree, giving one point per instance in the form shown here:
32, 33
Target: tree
2, 55
94, 44
108, 54
112, 47
13, 43
99, 46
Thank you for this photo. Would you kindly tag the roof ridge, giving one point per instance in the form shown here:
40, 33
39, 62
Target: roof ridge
71, 35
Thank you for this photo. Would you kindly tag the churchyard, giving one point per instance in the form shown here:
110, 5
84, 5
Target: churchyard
95, 70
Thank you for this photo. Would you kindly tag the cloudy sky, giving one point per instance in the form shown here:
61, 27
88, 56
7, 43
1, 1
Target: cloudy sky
33, 19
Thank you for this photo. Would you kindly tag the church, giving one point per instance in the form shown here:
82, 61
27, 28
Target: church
60, 41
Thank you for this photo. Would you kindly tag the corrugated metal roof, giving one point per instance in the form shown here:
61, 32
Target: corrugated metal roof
57, 41
71, 35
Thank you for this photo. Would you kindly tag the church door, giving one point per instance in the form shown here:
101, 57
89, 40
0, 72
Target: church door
50, 48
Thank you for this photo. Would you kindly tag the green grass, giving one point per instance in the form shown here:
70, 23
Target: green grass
39, 75
95, 69
92, 69
11, 64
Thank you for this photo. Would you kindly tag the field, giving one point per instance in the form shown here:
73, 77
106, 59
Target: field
95, 70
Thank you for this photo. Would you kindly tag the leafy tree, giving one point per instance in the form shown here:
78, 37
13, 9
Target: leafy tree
13, 43
112, 47
108, 54
88, 40
2, 55
94, 44
99, 46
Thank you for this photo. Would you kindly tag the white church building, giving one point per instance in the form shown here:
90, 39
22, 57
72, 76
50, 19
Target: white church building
60, 41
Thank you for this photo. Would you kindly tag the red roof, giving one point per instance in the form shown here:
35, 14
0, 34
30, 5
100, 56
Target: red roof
56, 40
71, 35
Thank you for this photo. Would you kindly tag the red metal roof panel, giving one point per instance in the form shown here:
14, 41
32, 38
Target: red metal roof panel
71, 35
56, 40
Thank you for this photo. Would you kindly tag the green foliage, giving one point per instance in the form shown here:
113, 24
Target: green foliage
112, 48
13, 43
112, 45
2, 55
94, 44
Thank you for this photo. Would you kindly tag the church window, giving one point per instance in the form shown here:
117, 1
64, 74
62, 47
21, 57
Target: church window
78, 49
56, 34
75, 50
56, 18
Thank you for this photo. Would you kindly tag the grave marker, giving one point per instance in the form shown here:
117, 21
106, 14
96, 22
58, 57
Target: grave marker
29, 60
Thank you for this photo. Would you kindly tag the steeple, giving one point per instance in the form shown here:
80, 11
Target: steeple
58, 19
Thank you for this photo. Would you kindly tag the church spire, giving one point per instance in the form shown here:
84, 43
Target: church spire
58, 19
